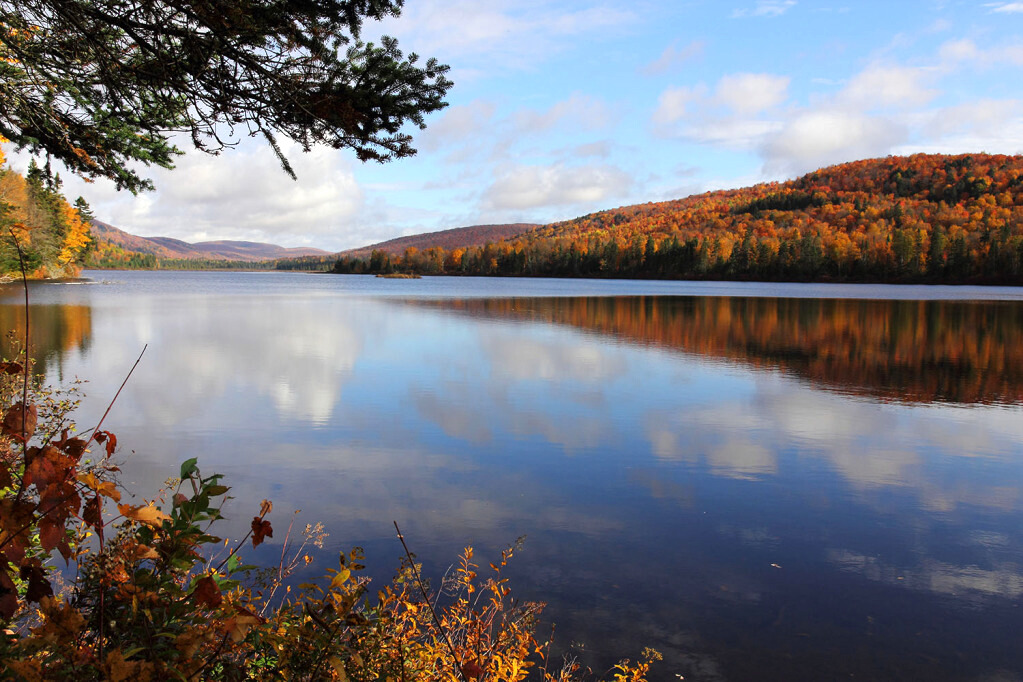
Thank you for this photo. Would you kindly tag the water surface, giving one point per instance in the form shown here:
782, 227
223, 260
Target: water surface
762, 481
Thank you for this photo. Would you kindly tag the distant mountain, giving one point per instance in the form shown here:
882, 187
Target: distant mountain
166, 247
455, 238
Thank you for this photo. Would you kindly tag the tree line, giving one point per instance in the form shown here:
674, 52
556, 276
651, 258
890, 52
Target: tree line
922, 218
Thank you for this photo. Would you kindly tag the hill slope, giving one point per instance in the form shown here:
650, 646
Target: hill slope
166, 247
455, 238
922, 218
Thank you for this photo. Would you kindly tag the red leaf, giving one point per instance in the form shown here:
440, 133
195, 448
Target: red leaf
16, 520
47, 467
38, 585
92, 513
472, 670
50, 534
108, 438
20, 422
8, 596
207, 593
11, 368
260, 529
75, 447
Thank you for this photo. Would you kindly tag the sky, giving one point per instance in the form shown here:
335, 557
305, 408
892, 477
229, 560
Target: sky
565, 107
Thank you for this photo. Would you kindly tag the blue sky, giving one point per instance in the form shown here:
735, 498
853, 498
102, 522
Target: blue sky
565, 107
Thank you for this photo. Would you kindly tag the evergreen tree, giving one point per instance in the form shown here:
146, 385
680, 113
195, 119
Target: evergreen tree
101, 84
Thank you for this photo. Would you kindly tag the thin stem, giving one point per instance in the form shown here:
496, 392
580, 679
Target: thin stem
238, 545
95, 429
426, 597
24, 387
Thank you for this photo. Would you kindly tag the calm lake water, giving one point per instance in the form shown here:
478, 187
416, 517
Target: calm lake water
762, 481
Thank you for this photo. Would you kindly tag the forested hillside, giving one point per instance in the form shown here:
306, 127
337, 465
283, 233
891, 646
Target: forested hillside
53, 235
922, 218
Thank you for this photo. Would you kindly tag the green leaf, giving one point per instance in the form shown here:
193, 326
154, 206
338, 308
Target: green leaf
189, 467
214, 490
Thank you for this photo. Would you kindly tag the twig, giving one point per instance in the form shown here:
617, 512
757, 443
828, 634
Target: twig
102, 608
238, 545
210, 659
426, 598
24, 387
95, 429
280, 567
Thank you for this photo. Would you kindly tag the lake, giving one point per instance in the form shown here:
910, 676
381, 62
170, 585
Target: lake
762, 481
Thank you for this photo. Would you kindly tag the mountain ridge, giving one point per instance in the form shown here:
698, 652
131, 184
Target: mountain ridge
171, 248
452, 238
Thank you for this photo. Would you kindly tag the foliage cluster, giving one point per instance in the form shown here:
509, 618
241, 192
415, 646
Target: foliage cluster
148, 592
53, 236
100, 84
922, 218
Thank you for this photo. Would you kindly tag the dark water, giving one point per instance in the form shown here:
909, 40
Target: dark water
764, 482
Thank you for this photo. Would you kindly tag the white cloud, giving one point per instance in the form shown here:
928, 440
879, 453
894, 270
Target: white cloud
740, 94
1006, 7
674, 103
673, 56
955, 52
959, 51
986, 115
751, 93
241, 194
765, 8
600, 149
881, 110
729, 118
816, 138
578, 111
458, 124
535, 186
732, 133
508, 34
883, 86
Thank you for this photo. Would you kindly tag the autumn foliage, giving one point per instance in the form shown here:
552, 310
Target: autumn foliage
921, 218
53, 235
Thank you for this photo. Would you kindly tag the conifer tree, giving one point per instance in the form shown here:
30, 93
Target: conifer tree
103, 85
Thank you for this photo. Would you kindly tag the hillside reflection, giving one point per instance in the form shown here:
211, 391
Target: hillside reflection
914, 351
53, 330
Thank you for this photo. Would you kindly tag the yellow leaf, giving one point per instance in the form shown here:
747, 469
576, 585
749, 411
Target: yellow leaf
145, 552
339, 667
340, 578
240, 625
104, 488
148, 514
